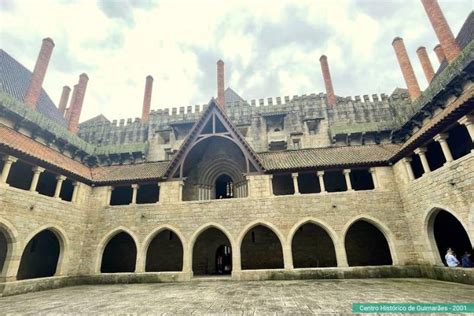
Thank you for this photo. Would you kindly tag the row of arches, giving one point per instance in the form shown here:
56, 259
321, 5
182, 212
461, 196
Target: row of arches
261, 246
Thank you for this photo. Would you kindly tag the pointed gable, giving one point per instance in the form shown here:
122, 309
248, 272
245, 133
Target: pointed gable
213, 122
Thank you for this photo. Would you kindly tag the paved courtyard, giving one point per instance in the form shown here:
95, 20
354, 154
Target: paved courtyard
220, 297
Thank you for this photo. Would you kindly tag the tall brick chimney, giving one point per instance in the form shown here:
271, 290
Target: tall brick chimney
71, 102
76, 105
443, 31
34, 89
439, 53
220, 84
147, 99
331, 97
64, 99
425, 63
407, 69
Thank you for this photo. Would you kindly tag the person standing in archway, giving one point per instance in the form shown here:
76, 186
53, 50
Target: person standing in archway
451, 260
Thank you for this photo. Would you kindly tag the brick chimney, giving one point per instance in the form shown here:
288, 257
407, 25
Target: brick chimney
71, 102
407, 69
34, 89
147, 99
64, 99
439, 53
443, 31
425, 63
331, 97
220, 84
76, 106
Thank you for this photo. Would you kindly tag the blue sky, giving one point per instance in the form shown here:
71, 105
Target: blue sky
270, 48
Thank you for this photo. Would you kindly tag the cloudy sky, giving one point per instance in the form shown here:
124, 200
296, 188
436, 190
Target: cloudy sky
270, 48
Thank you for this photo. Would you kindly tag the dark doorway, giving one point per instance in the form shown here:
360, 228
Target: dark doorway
40, 257
3, 250
282, 184
165, 253
224, 187
20, 175
206, 251
449, 233
261, 249
366, 245
120, 254
335, 181
459, 141
312, 247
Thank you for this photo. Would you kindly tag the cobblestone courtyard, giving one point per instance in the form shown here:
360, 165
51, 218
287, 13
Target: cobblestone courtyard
289, 297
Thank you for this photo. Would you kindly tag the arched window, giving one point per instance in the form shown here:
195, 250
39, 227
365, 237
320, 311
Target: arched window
366, 245
40, 257
120, 254
261, 249
224, 187
212, 253
165, 253
3, 250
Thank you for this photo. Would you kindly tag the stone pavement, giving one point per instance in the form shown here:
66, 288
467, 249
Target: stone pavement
227, 297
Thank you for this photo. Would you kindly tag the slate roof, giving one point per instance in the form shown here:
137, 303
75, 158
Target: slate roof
465, 36
15, 79
328, 157
232, 96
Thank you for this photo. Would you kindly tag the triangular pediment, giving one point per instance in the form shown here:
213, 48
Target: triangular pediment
213, 122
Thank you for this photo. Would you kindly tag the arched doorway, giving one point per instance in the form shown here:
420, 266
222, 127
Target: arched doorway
366, 245
40, 257
224, 187
120, 254
448, 232
3, 250
261, 249
312, 247
212, 253
165, 253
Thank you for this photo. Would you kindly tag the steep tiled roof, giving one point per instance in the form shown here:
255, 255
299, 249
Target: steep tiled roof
21, 145
15, 79
328, 157
127, 173
232, 96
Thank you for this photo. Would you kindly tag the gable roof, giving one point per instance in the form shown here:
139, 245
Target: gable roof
190, 139
231, 96
15, 79
96, 119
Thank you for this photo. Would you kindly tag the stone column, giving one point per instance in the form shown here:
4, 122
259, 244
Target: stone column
181, 185
422, 153
75, 191
341, 255
409, 169
347, 175
441, 139
7, 164
135, 188
270, 177
295, 182
320, 175
373, 173
468, 121
109, 194
36, 174
287, 256
59, 184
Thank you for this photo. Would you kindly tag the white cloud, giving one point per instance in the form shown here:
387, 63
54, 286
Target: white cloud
271, 48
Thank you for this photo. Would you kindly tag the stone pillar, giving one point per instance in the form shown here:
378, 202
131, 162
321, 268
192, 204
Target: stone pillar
341, 255
236, 261
135, 188
8, 161
287, 257
159, 192
422, 153
320, 175
76, 185
347, 175
109, 195
271, 184
373, 173
441, 139
468, 121
409, 169
59, 184
295, 182
36, 174
180, 191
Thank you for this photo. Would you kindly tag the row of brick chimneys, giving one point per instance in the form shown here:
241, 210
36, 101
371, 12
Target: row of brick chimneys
33, 92
448, 49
